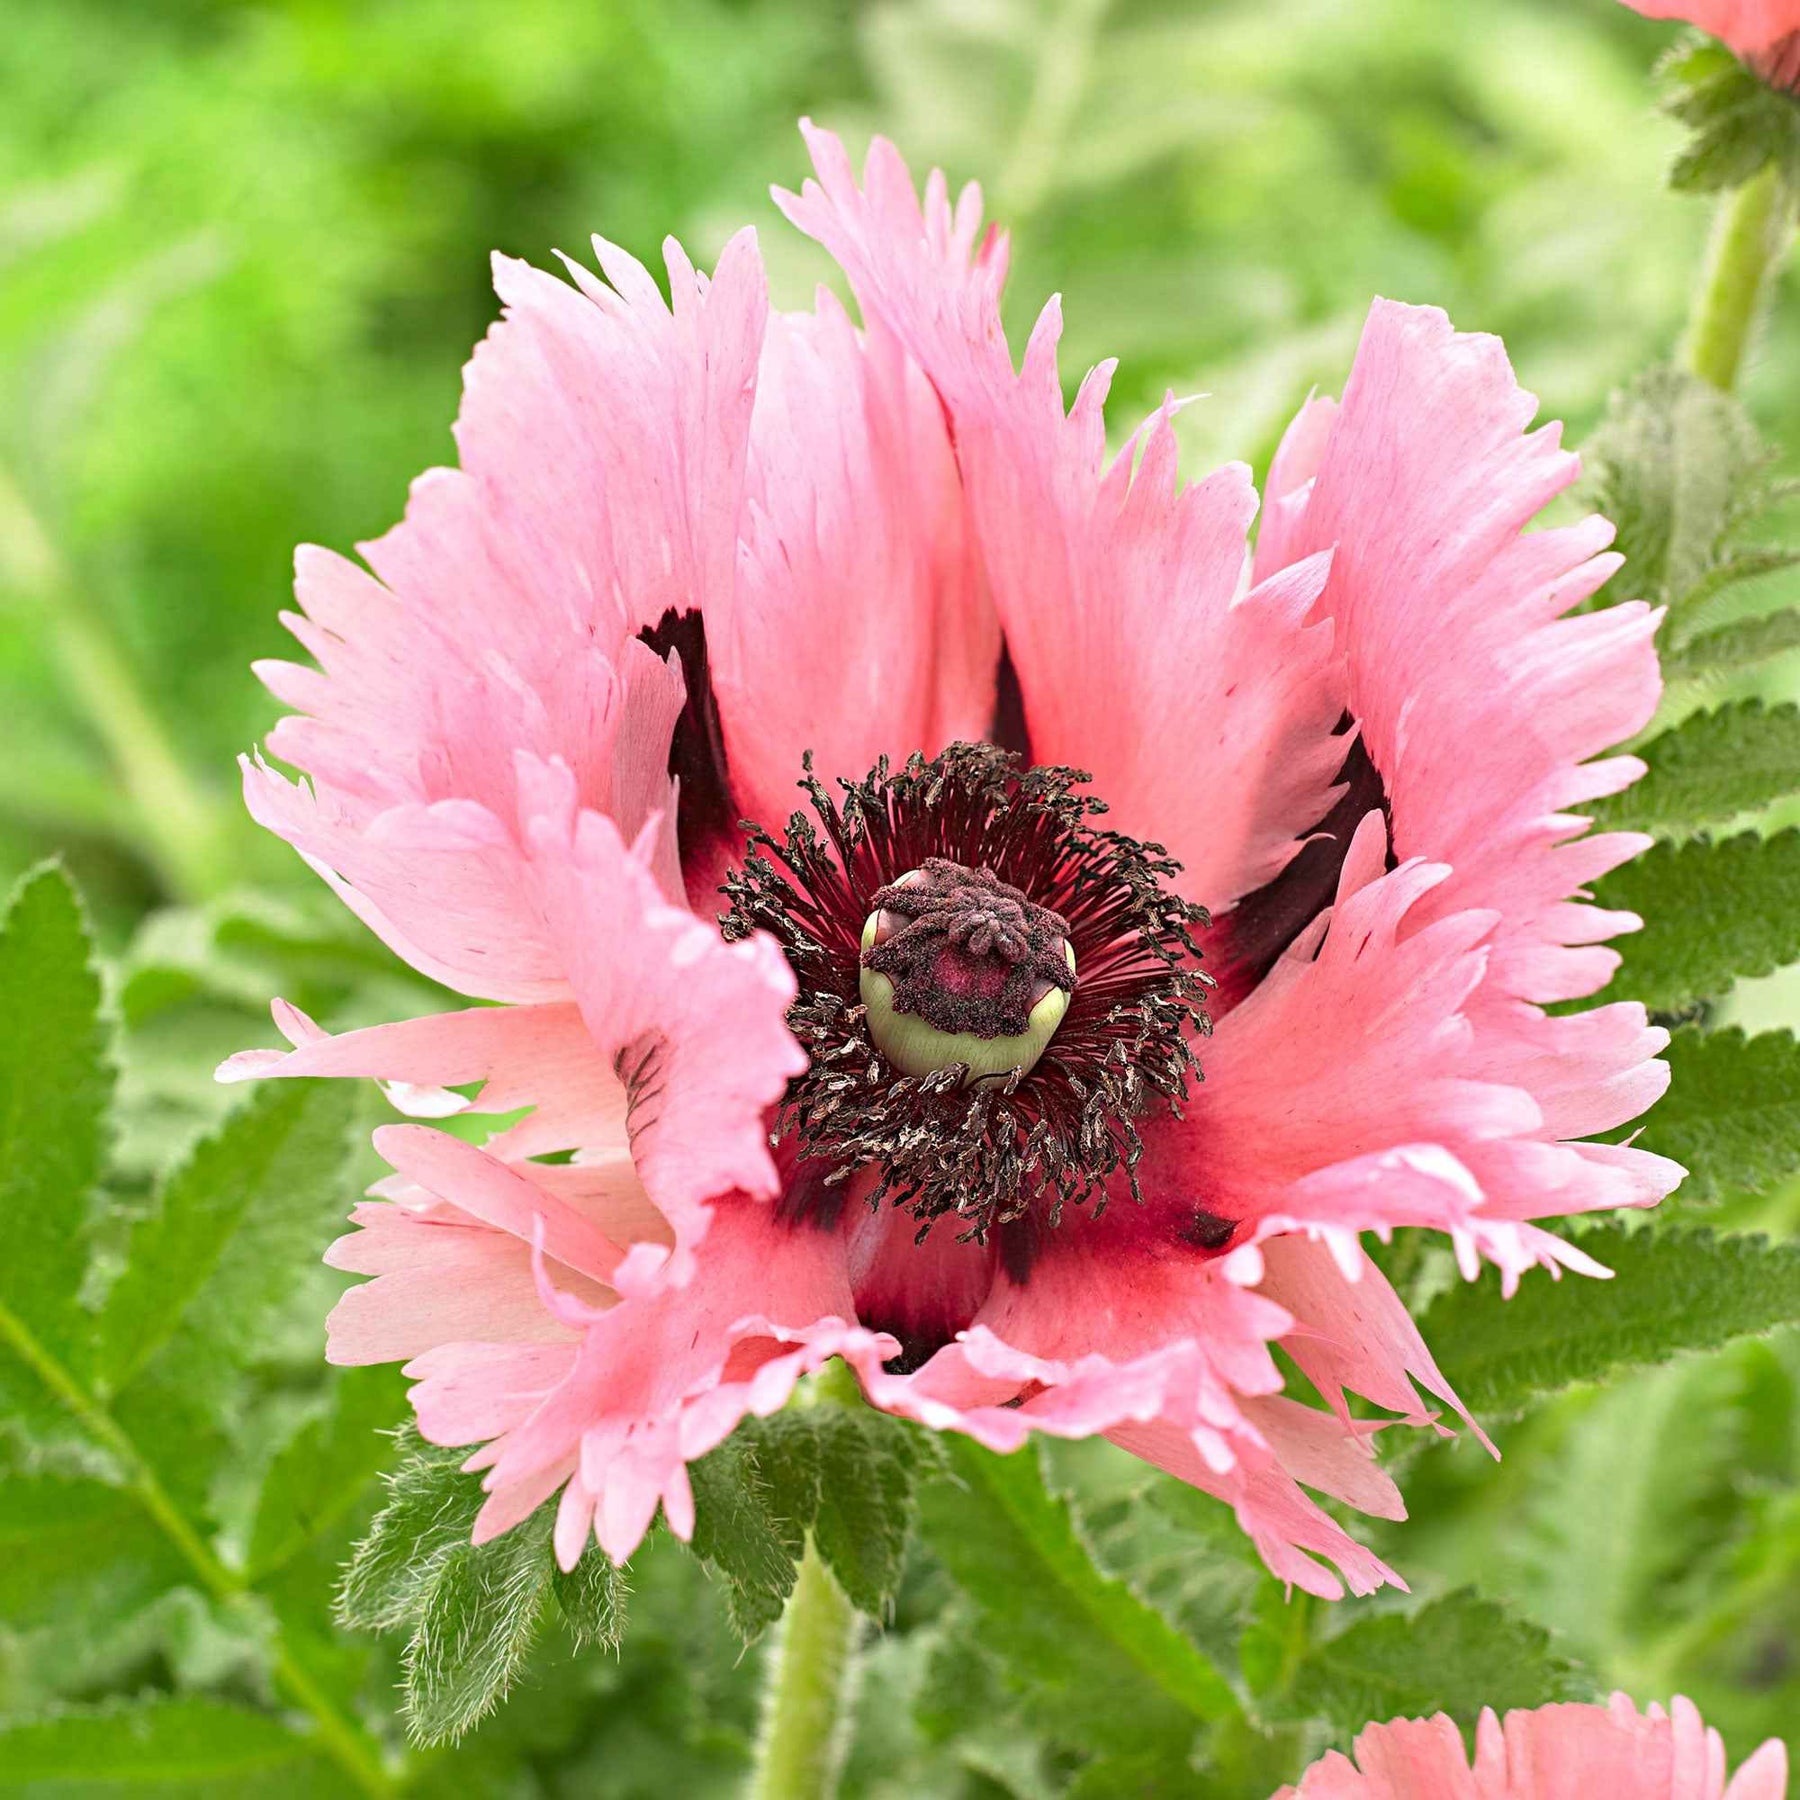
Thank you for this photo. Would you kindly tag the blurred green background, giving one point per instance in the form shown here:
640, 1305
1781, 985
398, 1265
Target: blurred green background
243, 255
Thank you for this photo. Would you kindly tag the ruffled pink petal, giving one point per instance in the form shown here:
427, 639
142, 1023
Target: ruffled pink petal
858, 626
1480, 702
1360, 1089
603, 436
1746, 25
1560, 1752
1118, 589
659, 1074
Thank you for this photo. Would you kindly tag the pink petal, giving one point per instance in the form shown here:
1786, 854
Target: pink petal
1116, 588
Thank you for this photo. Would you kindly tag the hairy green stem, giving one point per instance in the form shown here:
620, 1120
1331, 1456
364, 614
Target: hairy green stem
177, 825
338, 1736
807, 1702
1750, 234
811, 1680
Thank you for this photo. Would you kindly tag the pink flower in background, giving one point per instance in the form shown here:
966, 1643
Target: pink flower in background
1747, 26
1554, 1753
698, 548
1764, 33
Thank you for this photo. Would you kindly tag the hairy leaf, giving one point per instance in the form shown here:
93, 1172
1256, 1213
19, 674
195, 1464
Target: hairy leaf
1739, 124
1671, 1291
1732, 1112
591, 1597
430, 1510
1455, 1655
1100, 1669
1712, 911
843, 1473
472, 1610
1709, 769
475, 1623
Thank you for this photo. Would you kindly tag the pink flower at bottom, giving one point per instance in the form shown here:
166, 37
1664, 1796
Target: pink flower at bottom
696, 549
1555, 1753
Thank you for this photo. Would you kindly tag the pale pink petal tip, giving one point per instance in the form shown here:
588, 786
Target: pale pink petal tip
1552, 1753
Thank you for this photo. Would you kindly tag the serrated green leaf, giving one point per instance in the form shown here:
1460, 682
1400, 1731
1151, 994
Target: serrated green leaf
181, 1745
472, 1610
1455, 1655
55, 1086
330, 1462
1710, 768
866, 1465
474, 1628
216, 1254
1739, 124
1671, 1291
73, 1547
1732, 1112
430, 1510
1099, 1668
1677, 466
1713, 912
1730, 649
752, 1543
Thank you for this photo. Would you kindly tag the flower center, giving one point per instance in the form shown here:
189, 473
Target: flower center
936, 918
960, 967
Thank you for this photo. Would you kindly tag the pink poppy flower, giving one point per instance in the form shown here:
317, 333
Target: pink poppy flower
1554, 1753
1764, 33
696, 548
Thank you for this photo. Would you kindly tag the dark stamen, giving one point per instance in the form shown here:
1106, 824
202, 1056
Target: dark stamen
1031, 1143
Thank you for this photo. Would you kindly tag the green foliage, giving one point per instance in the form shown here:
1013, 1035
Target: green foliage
1456, 1655
1731, 649
55, 1081
472, 1612
1739, 124
1671, 1291
177, 1746
844, 1474
1712, 912
1731, 1116
1710, 769
1678, 467
1097, 1667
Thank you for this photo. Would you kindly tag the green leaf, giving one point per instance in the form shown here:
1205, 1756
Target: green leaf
319, 1475
1099, 1668
1730, 649
1739, 124
430, 1510
866, 1463
475, 1625
591, 1598
55, 1085
843, 1473
1671, 1291
1732, 1112
182, 1745
71, 1547
751, 1542
1712, 911
1678, 467
1709, 769
1454, 1655
473, 1611
217, 1254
